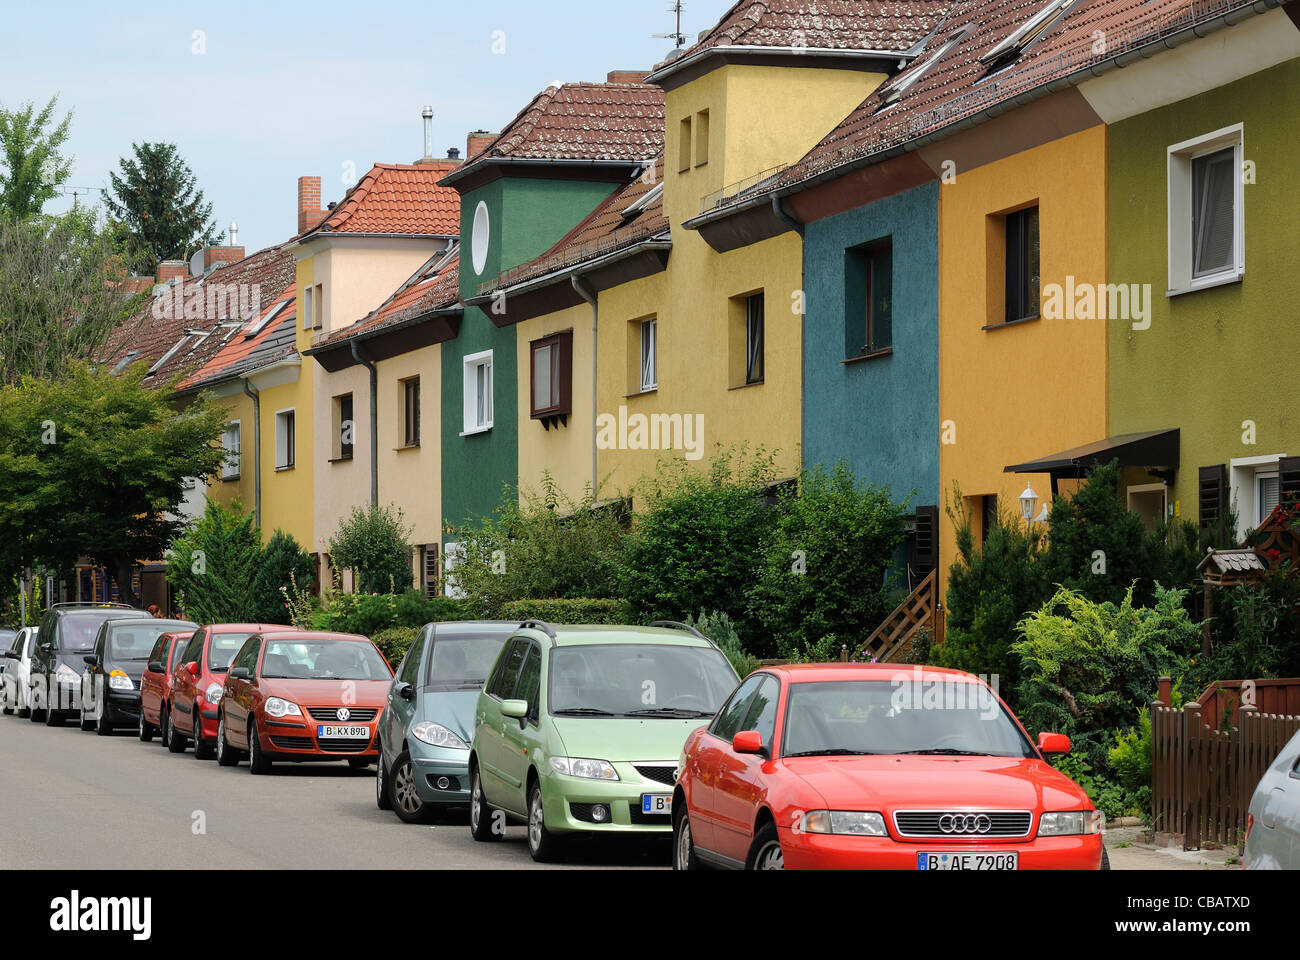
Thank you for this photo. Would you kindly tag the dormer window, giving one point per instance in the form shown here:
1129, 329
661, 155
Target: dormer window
257, 326
162, 361
1026, 34
894, 90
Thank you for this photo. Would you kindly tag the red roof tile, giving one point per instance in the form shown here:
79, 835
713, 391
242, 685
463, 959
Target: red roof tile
245, 341
402, 199
892, 25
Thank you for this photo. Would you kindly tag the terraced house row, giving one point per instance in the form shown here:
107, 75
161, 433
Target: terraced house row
968, 246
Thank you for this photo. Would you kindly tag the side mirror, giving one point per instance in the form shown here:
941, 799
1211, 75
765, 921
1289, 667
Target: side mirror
514, 708
91, 659
747, 741
193, 669
239, 673
406, 691
11, 655
46, 647
1053, 743
155, 667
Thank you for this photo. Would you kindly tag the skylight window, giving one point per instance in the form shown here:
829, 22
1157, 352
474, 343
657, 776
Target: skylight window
896, 88
162, 361
130, 358
640, 206
1029, 31
257, 326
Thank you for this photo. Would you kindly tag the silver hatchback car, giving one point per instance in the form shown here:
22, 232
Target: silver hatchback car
1273, 839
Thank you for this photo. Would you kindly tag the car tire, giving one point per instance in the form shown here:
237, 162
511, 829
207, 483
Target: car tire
202, 749
35, 714
402, 795
481, 815
358, 763
176, 742
765, 851
381, 781
103, 726
52, 717
85, 723
1105, 858
145, 730
542, 844
683, 840
258, 762
227, 756
164, 724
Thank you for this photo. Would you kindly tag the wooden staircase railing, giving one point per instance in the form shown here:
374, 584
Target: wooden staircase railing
892, 640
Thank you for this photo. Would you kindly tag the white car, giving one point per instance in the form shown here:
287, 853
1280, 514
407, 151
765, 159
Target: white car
16, 690
1273, 834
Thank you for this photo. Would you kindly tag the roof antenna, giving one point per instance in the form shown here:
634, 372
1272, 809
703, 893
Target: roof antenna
678, 38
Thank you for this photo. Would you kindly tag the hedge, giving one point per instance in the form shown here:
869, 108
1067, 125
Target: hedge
566, 610
394, 642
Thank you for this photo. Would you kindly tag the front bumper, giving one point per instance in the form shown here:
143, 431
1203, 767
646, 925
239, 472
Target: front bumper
282, 740
430, 764
567, 802
819, 851
122, 706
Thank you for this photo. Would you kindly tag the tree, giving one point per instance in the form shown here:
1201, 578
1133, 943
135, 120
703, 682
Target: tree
34, 166
94, 464
156, 197
62, 293
283, 564
375, 543
214, 565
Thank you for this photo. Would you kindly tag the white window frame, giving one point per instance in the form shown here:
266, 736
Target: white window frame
1179, 204
1161, 488
230, 465
308, 295
1244, 474
653, 366
469, 370
281, 445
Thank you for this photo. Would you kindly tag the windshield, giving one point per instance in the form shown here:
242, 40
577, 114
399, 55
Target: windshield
78, 631
938, 717
129, 644
462, 662
638, 680
324, 660
222, 648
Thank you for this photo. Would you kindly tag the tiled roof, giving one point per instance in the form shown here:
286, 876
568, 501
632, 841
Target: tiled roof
1241, 560
957, 86
435, 286
892, 25
584, 121
152, 333
221, 366
394, 198
628, 216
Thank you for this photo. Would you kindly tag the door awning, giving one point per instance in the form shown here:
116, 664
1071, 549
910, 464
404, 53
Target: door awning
1156, 448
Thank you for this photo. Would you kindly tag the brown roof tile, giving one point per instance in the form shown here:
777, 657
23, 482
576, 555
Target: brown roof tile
243, 342
892, 25
400, 199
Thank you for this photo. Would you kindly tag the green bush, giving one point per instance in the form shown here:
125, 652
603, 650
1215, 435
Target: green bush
548, 545
369, 613
824, 568
282, 563
698, 545
212, 566
374, 542
393, 642
567, 610
718, 627
1255, 631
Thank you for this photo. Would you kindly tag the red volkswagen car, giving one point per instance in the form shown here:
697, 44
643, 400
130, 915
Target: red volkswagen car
157, 678
302, 696
196, 684
866, 766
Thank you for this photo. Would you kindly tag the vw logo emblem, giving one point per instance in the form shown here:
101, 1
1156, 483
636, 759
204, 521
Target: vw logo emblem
343, 713
965, 823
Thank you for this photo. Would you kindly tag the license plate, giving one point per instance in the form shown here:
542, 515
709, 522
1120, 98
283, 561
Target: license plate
343, 733
657, 803
993, 860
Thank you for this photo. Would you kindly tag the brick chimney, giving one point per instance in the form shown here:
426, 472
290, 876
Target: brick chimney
215, 255
476, 141
627, 76
309, 208
169, 270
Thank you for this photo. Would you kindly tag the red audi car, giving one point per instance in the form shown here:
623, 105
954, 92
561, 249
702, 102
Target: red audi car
196, 684
876, 766
300, 695
157, 678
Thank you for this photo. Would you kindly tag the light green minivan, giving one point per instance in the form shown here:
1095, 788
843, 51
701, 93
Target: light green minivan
579, 729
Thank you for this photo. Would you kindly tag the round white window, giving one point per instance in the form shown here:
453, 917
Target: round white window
479, 238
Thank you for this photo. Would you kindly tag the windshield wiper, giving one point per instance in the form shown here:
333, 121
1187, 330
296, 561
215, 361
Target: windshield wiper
582, 712
835, 752
676, 712
949, 752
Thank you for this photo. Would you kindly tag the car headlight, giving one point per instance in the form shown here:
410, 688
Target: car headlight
436, 735
117, 680
1069, 824
848, 822
587, 769
213, 693
65, 674
275, 707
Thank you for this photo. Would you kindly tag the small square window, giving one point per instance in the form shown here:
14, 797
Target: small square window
552, 377
1206, 202
869, 299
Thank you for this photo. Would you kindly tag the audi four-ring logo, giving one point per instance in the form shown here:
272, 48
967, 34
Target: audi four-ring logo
343, 713
965, 823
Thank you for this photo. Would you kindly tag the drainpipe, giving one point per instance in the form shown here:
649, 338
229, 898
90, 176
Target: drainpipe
256, 397
589, 295
778, 207
374, 423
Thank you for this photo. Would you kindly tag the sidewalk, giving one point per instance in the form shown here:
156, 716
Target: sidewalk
1129, 850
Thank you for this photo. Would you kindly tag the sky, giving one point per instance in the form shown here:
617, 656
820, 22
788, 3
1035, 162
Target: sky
255, 95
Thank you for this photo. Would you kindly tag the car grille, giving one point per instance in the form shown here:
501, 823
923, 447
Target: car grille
927, 823
330, 714
637, 815
291, 743
343, 746
659, 773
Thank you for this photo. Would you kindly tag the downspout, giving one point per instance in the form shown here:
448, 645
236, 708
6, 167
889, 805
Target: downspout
374, 422
778, 207
256, 397
589, 295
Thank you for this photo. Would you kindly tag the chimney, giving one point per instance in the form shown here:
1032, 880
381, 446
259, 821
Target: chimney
627, 76
427, 114
453, 153
234, 233
309, 209
169, 270
216, 256
476, 142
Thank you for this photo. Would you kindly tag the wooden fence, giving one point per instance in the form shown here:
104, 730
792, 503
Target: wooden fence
1222, 699
1202, 777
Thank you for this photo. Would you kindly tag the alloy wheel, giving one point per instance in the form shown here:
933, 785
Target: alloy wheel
404, 793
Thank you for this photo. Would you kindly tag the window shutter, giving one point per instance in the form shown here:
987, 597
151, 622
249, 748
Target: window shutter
925, 541
1289, 473
1213, 487
431, 570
